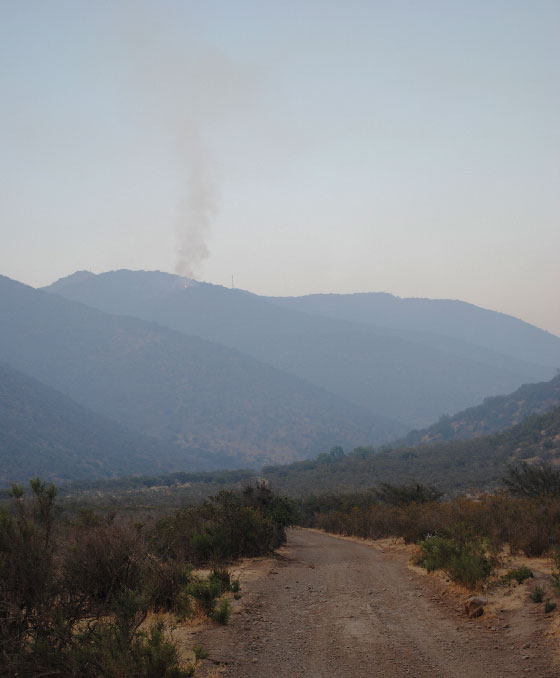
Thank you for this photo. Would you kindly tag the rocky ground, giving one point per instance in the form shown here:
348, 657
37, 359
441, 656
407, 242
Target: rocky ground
329, 606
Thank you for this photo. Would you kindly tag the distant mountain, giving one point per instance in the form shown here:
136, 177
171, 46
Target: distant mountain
494, 414
182, 390
405, 375
478, 464
44, 433
454, 466
495, 331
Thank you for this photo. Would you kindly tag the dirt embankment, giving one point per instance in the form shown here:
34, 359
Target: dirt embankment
341, 608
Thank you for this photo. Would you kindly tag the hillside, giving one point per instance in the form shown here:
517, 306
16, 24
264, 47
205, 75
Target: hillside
493, 415
477, 464
44, 433
408, 376
449, 318
180, 389
455, 467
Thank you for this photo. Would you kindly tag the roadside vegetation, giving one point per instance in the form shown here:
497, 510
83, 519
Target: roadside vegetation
464, 536
76, 591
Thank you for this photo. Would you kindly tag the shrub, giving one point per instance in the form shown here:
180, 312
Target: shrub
549, 607
205, 592
165, 585
519, 575
555, 576
222, 577
466, 563
200, 653
526, 480
437, 552
398, 495
470, 567
222, 613
537, 594
235, 586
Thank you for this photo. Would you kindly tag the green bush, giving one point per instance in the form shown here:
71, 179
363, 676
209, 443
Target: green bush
222, 613
519, 575
437, 552
470, 567
74, 593
205, 592
223, 577
200, 653
549, 607
465, 562
537, 594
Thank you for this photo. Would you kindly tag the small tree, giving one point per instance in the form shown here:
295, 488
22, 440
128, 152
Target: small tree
527, 480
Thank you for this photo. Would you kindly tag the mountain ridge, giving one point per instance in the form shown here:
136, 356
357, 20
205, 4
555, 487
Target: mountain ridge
180, 389
408, 376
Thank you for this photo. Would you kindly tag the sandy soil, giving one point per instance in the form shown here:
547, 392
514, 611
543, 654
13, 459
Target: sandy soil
329, 606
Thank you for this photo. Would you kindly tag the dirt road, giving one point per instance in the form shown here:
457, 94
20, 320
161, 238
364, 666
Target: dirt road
329, 607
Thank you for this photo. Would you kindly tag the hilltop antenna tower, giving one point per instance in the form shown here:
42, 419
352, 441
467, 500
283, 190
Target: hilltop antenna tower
232, 282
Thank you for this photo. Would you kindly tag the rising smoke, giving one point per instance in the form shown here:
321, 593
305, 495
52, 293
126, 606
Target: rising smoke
196, 214
187, 89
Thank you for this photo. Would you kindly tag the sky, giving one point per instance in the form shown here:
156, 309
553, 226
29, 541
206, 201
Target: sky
300, 147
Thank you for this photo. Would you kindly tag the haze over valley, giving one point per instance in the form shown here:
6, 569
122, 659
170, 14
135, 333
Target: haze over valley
279, 339
201, 377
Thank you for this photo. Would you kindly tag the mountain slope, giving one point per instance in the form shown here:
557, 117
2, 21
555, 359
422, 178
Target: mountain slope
493, 415
454, 466
449, 318
407, 376
178, 388
44, 433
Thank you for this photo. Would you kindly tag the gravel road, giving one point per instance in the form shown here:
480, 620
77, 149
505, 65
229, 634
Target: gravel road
330, 607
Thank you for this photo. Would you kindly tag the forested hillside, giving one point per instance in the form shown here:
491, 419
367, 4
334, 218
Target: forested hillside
454, 467
408, 374
477, 464
180, 389
494, 414
449, 318
44, 433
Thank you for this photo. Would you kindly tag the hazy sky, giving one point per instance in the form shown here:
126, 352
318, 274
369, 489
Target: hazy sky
407, 147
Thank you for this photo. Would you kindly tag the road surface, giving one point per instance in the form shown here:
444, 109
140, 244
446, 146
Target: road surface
338, 608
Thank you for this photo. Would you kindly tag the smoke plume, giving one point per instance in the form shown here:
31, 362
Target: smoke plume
187, 90
196, 214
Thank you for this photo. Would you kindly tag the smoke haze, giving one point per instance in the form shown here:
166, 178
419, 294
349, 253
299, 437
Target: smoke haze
179, 88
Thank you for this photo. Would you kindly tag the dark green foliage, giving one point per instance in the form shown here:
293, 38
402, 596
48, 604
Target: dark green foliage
436, 553
533, 481
494, 414
200, 653
44, 432
537, 594
223, 577
466, 562
403, 374
452, 466
227, 526
205, 592
406, 494
74, 595
115, 647
549, 607
169, 385
222, 613
519, 575
555, 576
